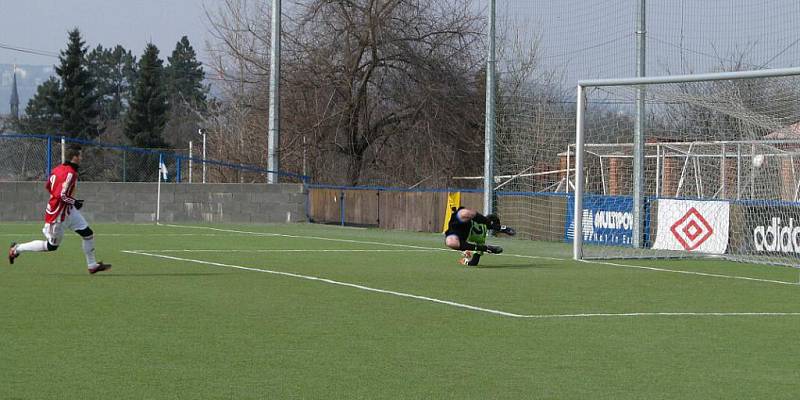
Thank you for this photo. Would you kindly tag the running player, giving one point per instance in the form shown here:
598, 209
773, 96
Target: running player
62, 212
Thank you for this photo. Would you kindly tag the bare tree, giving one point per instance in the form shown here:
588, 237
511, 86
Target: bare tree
368, 85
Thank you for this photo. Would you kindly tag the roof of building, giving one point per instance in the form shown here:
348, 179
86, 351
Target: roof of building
787, 132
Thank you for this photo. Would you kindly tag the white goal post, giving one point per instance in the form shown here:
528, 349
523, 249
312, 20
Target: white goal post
673, 187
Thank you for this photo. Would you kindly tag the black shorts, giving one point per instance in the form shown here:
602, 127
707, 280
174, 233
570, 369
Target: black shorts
458, 228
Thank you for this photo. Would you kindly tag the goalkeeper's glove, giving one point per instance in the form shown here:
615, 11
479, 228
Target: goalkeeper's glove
507, 230
494, 224
494, 221
78, 204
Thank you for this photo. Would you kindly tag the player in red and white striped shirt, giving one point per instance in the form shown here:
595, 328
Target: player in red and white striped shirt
62, 211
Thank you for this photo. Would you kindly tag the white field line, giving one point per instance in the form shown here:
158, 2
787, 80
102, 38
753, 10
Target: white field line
467, 306
332, 282
285, 251
630, 266
27, 234
691, 272
309, 237
669, 314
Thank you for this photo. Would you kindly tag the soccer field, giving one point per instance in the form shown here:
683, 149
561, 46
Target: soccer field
310, 311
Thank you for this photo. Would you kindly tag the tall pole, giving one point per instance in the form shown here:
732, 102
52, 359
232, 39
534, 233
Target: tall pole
274, 94
577, 216
638, 135
488, 161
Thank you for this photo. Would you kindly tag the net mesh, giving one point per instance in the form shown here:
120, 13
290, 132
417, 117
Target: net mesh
720, 171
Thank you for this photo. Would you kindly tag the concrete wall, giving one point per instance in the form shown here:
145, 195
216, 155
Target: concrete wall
136, 202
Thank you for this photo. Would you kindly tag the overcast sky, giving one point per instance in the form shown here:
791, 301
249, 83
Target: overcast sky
43, 25
579, 38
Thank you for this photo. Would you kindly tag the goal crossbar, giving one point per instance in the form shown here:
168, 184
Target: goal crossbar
640, 81
714, 76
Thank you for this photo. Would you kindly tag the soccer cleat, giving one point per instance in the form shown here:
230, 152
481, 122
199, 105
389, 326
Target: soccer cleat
99, 267
476, 258
507, 230
467, 258
494, 249
12, 253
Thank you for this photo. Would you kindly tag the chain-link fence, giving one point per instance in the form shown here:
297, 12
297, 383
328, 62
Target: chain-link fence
31, 157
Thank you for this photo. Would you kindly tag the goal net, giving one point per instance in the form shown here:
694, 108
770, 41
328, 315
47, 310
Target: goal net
715, 170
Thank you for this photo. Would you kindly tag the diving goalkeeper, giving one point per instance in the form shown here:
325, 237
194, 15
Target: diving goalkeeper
467, 232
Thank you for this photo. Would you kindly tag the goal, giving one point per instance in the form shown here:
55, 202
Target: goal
688, 166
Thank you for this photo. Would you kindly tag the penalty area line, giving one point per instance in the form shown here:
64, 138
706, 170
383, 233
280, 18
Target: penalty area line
744, 278
467, 306
286, 251
129, 234
605, 263
332, 282
407, 246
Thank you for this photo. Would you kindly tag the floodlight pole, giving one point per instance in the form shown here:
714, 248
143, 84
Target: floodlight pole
577, 216
638, 135
273, 141
488, 160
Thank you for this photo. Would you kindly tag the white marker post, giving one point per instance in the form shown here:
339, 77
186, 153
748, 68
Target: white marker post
162, 173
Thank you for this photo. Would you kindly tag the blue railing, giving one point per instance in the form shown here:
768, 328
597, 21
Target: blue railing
174, 158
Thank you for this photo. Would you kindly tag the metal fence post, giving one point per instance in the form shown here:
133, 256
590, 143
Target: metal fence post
190, 161
177, 169
341, 206
49, 161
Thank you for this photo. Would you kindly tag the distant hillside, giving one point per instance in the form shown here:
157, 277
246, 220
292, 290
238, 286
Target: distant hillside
28, 78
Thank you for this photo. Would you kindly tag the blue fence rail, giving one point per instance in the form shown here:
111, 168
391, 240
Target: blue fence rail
31, 157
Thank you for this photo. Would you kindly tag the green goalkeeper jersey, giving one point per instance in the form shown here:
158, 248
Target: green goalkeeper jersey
478, 233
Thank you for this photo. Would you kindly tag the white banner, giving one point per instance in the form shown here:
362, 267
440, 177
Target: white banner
694, 226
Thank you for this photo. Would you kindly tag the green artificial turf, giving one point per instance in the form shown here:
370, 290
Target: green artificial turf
195, 327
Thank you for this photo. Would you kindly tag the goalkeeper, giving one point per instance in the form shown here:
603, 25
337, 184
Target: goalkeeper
467, 232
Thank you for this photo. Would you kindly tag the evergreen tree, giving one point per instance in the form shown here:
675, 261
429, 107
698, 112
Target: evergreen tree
113, 72
42, 115
148, 109
185, 76
77, 103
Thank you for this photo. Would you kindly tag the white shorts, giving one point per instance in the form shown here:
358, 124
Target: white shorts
55, 232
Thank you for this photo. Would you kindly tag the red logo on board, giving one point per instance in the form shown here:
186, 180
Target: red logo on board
691, 230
